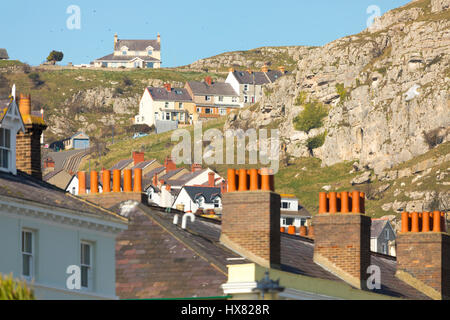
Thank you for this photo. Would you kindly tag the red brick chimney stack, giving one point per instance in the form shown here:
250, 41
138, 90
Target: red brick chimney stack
208, 80
138, 157
211, 179
423, 253
28, 143
251, 217
196, 167
168, 87
342, 236
169, 164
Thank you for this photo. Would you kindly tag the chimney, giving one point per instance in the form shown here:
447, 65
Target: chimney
251, 217
155, 180
265, 68
211, 179
169, 164
168, 87
423, 254
116, 39
282, 69
208, 80
159, 38
342, 236
196, 167
28, 143
230, 69
138, 157
249, 71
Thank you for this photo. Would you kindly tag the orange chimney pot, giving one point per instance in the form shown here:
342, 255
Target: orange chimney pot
116, 180
94, 182
127, 180
106, 178
82, 182
137, 187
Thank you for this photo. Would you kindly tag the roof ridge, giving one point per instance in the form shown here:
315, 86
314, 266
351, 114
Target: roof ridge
97, 207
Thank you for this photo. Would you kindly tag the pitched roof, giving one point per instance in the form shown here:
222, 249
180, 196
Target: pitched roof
26, 188
154, 171
122, 164
257, 78
137, 45
181, 181
193, 259
120, 58
377, 227
175, 94
59, 178
170, 174
3, 54
301, 212
207, 192
196, 253
143, 164
216, 88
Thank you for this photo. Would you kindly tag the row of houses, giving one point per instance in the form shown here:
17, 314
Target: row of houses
125, 247
204, 100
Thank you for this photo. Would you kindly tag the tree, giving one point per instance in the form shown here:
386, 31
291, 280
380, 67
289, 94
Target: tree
11, 289
55, 56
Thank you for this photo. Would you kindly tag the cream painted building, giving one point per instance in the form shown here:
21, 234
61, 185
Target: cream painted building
164, 104
144, 54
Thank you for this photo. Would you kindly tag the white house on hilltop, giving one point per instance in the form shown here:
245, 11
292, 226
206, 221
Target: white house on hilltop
145, 54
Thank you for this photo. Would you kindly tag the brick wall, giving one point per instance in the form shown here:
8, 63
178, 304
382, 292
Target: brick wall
423, 261
28, 150
342, 245
251, 225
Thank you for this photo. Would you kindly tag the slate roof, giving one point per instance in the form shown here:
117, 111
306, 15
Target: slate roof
257, 78
216, 88
137, 45
142, 165
195, 261
120, 58
122, 164
170, 174
26, 188
59, 178
207, 192
301, 212
377, 227
3, 54
154, 171
181, 181
175, 94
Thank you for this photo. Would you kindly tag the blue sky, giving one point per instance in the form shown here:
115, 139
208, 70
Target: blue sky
190, 30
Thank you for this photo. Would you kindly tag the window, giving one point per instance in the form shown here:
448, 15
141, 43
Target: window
166, 105
217, 203
207, 98
5, 147
245, 99
124, 52
73, 190
222, 111
181, 116
150, 193
245, 87
285, 205
180, 105
220, 98
283, 221
234, 99
384, 248
200, 202
289, 221
199, 110
150, 52
27, 253
86, 265
167, 115
386, 233
208, 110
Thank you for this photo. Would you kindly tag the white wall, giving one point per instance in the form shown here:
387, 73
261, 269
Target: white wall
57, 246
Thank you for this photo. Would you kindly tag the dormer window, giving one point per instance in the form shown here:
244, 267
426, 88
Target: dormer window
150, 51
5, 148
124, 51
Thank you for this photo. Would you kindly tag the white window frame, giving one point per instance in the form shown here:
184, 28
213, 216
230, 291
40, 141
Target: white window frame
245, 87
90, 275
384, 248
166, 105
208, 98
234, 99
245, 99
220, 98
223, 111
288, 204
30, 254
180, 105
7, 149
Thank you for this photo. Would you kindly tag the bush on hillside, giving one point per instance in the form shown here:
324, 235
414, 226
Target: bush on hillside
316, 142
311, 117
11, 289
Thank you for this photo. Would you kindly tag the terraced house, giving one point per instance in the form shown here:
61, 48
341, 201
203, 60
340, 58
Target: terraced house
249, 84
212, 99
44, 232
163, 105
131, 54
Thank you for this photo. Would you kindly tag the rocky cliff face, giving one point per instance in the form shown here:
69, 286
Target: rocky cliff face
394, 81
